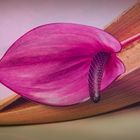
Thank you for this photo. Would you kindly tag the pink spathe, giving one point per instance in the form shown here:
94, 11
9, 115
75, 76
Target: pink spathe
50, 63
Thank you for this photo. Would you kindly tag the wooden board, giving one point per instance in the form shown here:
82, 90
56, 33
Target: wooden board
123, 92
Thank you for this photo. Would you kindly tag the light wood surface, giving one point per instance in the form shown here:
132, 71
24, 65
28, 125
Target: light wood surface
123, 92
119, 125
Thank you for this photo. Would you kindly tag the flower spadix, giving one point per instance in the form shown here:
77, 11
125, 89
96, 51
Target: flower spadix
61, 64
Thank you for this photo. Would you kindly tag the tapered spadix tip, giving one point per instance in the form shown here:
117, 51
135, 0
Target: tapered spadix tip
96, 99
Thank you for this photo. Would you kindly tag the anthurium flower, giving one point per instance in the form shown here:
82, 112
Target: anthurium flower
61, 64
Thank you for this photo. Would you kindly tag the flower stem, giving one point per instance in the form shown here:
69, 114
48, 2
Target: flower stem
130, 39
95, 74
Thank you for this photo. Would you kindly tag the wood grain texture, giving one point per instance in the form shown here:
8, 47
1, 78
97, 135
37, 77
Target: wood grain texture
127, 25
123, 92
4, 103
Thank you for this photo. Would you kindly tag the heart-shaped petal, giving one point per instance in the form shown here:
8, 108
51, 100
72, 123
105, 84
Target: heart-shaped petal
50, 64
